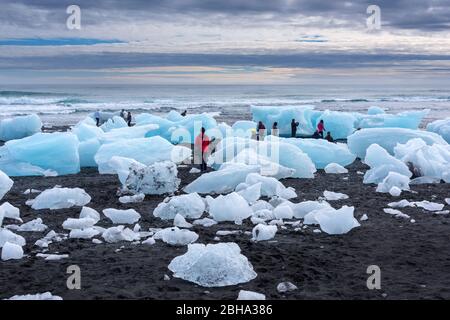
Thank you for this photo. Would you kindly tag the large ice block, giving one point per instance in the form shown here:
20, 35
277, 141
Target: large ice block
388, 138
145, 150
19, 127
5, 184
49, 151
441, 127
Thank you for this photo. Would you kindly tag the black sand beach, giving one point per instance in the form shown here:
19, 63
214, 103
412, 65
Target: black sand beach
413, 257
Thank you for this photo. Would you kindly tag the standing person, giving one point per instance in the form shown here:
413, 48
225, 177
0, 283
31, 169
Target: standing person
294, 126
97, 117
321, 128
129, 118
201, 145
275, 129
329, 137
122, 114
261, 130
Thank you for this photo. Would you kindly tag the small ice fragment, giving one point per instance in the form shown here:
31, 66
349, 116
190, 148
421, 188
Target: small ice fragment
250, 295
333, 196
286, 287
11, 251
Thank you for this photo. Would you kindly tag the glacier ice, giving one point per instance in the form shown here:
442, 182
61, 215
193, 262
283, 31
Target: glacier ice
338, 221
432, 161
19, 127
9, 236
441, 127
270, 186
87, 151
187, 205
395, 191
213, 265
244, 128
180, 222
87, 233
283, 287
334, 196
114, 122
250, 193
231, 207
5, 184
301, 209
132, 199
375, 110
56, 151
260, 205
86, 131
38, 296
80, 223
396, 213
35, 225
127, 133
129, 216
262, 232
394, 179
11, 251
60, 198
87, 212
121, 166
283, 211
176, 237
224, 180
388, 138
250, 295
7, 210
157, 178
205, 222
381, 164
120, 233
429, 206
335, 168
144, 150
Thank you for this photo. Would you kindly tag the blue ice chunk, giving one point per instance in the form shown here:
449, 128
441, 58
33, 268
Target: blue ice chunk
375, 110
388, 138
19, 127
441, 127
87, 151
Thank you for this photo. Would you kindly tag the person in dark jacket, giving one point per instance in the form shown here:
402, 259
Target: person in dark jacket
294, 126
129, 118
316, 135
328, 137
260, 130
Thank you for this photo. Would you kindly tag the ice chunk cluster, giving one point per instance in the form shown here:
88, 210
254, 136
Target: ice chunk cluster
213, 265
19, 127
176, 237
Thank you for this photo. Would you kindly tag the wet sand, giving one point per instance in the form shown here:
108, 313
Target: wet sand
414, 257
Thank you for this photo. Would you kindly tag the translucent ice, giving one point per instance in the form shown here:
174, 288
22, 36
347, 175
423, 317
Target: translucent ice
270, 186
262, 232
87, 212
301, 209
213, 265
87, 233
333, 196
49, 151
121, 166
387, 138
187, 205
335, 168
250, 295
5, 184
144, 150
114, 123
11, 251
176, 237
231, 207
221, 181
87, 151
157, 178
132, 199
19, 127
81, 223
127, 133
441, 127
35, 225
9, 236
120, 233
38, 296
381, 164
251, 193
283, 211
283, 287
9, 211
60, 198
180, 222
393, 179
337, 221
129, 216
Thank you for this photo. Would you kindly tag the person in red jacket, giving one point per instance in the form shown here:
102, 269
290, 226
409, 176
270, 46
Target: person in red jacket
201, 146
321, 128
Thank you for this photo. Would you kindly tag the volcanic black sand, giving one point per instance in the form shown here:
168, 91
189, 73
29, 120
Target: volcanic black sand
414, 257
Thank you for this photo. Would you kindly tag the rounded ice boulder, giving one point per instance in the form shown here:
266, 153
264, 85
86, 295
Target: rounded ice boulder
213, 265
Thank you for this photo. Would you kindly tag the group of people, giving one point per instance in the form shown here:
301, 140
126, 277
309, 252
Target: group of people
123, 114
318, 134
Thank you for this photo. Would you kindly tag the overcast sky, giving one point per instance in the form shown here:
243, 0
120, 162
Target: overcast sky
227, 41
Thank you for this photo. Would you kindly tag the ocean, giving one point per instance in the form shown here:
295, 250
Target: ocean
65, 105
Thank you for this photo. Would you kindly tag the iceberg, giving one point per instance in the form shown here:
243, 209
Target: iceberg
432, 161
127, 133
87, 151
231, 207
19, 127
176, 237
441, 127
250, 193
213, 265
394, 180
244, 128
60, 198
132, 199
115, 122
223, 181
120, 233
85, 130
180, 222
80, 223
381, 164
283, 211
270, 187
129, 216
144, 150
374, 110
262, 232
7, 210
11, 251
35, 225
205, 222
388, 138
187, 205
407, 120
300, 210
335, 168
49, 151
157, 178
87, 233
121, 166
5, 184
9, 236
334, 196
90, 213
